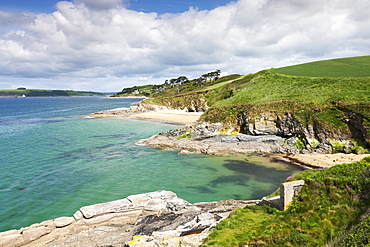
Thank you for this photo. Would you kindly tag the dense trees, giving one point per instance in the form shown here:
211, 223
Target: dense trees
147, 90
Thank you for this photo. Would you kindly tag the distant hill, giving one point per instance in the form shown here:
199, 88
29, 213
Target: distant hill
342, 67
46, 93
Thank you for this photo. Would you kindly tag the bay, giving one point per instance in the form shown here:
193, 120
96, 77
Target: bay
53, 161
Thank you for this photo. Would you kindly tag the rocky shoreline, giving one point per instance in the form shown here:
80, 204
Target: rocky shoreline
157, 218
267, 136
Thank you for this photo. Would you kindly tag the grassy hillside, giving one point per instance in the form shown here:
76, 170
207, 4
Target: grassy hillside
337, 107
342, 67
268, 87
324, 100
46, 93
325, 213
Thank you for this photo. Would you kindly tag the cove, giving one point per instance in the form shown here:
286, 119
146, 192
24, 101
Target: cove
53, 162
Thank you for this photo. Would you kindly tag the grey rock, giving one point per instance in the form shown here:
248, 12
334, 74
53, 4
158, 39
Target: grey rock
158, 217
108, 207
63, 221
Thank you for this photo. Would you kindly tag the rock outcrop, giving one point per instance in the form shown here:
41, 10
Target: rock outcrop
138, 220
215, 140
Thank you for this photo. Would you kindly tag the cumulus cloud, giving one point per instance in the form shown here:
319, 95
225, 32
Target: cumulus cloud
101, 4
102, 45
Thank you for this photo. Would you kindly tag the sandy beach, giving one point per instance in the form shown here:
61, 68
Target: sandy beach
173, 116
181, 117
325, 160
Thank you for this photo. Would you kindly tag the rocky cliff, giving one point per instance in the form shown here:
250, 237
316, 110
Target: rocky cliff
239, 131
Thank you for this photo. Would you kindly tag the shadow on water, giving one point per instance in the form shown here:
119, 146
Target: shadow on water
211, 169
202, 189
114, 136
258, 179
239, 179
259, 171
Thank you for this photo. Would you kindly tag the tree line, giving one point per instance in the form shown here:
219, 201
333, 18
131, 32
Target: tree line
147, 90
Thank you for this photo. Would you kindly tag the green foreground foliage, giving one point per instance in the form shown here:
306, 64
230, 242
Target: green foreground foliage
331, 210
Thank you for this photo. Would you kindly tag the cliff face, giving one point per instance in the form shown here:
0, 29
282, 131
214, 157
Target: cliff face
269, 132
342, 128
195, 102
354, 130
192, 102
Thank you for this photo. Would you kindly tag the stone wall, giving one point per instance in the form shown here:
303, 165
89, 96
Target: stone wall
288, 191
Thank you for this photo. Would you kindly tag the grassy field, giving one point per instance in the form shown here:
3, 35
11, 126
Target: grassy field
331, 203
342, 67
267, 87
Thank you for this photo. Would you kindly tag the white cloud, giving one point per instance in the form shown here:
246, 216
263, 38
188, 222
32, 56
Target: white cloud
101, 4
101, 45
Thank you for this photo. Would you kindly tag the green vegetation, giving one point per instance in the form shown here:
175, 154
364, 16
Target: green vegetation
330, 205
324, 101
46, 93
173, 86
342, 67
359, 236
185, 135
267, 87
337, 105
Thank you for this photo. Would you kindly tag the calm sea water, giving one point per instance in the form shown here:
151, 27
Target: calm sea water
53, 161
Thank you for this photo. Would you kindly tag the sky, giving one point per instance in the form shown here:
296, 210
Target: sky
107, 45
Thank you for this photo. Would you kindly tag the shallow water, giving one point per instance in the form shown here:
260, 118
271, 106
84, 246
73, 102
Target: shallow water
52, 162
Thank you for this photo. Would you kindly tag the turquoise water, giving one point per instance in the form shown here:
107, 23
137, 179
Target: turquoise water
53, 161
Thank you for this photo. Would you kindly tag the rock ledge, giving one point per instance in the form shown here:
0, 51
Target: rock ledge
157, 218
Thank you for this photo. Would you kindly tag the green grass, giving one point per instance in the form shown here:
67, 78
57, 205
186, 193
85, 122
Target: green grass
324, 102
343, 67
267, 87
359, 236
331, 203
221, 83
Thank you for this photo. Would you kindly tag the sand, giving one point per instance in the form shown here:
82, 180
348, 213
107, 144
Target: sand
326, 160
181, 117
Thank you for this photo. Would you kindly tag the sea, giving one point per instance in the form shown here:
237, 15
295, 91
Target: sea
54, 160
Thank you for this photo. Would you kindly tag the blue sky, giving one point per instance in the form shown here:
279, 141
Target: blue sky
106, 45
159, 6
39, 6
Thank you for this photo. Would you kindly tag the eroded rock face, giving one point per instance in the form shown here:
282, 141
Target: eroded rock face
137, 219
266, 135
208, 139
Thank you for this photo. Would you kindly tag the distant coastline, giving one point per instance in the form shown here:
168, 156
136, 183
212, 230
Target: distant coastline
47, 93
